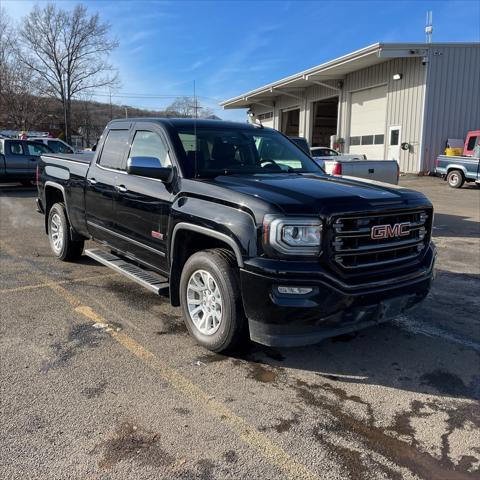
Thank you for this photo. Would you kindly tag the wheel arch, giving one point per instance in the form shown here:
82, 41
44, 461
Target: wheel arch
188, 239
54, 193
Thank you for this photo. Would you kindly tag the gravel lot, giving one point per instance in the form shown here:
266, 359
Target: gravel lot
99, 379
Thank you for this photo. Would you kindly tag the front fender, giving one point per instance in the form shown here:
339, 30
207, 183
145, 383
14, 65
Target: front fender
234, 226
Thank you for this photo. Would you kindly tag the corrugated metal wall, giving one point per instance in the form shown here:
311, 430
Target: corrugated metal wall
453, 97
452, 105
404, 102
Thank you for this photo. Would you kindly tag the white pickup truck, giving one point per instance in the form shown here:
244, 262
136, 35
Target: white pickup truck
350, 165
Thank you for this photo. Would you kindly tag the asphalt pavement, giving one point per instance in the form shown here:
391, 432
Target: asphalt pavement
100, 380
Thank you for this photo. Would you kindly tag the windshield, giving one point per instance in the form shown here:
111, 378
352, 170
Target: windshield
241, 151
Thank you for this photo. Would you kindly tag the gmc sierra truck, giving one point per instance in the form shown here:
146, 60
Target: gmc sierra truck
241, 228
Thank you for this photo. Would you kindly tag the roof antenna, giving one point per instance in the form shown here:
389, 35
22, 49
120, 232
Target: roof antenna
429, 27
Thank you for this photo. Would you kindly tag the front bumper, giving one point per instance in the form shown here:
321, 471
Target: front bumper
332, 308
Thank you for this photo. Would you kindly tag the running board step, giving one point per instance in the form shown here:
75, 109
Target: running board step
150, 280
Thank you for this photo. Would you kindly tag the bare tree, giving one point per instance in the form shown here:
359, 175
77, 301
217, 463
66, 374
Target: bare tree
188, 107
20, 107
66, 52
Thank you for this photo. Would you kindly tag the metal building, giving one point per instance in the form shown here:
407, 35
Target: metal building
378, 98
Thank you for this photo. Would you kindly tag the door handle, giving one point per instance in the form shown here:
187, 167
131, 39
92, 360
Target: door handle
121, 188
33, 159
92, 181
371, 170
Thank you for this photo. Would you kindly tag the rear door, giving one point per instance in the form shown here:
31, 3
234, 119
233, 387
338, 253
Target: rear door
101, 183
16, 160
143, 204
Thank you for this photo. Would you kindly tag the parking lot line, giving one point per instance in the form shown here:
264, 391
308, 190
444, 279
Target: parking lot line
247, 432
60, 282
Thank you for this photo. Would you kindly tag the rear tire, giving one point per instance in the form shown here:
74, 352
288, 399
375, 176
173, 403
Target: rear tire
455, 178
211, 300
63, 247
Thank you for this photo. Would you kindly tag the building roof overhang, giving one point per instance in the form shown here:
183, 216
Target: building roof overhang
329, 74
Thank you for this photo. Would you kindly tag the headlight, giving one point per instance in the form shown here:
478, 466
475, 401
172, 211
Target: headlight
293, 236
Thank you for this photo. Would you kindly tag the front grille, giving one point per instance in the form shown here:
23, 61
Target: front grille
353, 246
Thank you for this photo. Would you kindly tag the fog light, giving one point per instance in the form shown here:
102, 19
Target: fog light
294, 290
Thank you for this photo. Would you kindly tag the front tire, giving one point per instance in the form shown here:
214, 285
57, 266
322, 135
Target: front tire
211, 300
63, 247
455, 178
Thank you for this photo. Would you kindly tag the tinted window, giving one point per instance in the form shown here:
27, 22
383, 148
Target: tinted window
355, 140
16, 148
471, 143
216, 151
37, 148
114, 148
149, 144
367, 140
59, 147
379, 139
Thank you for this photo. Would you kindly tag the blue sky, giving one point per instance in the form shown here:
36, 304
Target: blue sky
229, 47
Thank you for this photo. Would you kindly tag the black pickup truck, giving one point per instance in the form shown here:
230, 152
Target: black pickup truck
241, 228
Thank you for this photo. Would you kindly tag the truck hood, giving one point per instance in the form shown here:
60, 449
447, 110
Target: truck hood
311, 193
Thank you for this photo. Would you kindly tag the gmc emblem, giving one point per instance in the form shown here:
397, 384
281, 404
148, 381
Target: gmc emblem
390, 231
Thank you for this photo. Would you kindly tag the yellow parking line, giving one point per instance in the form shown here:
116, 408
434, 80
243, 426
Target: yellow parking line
60, 282
238, 425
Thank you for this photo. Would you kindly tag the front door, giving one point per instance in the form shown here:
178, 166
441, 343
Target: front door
101, 185
393, 150
143, 204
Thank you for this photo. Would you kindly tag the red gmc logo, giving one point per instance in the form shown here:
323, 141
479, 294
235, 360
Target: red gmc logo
390, 231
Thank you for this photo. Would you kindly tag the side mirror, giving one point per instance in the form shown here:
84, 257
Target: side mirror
149, 167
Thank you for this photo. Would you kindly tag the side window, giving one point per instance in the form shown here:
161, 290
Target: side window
36, 149
54, 145
149, 144
16, 148
471, 142
113, 149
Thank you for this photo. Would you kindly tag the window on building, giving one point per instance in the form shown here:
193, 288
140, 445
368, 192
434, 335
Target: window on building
379, 139
113, 149
367, 140
265, 116
394, 136
149, 144
355, 140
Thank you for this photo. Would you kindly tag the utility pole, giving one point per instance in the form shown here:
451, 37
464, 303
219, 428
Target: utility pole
111, 111
126, 112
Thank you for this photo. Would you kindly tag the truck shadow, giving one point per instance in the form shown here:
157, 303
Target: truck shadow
455, 226
432, 351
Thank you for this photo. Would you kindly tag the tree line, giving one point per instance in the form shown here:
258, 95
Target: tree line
52, 61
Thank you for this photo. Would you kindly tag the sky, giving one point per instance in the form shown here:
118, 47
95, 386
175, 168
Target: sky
230, 47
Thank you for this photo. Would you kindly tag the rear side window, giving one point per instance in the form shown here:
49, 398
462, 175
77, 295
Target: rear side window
149, 144
16, 148
113, 149
59, 147
471, 143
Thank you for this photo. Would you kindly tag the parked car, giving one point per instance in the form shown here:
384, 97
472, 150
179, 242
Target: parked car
457, 170
245, 230
56, 145
18, 160
326, 153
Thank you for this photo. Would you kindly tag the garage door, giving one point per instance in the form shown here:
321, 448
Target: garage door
367, 122
266, 119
